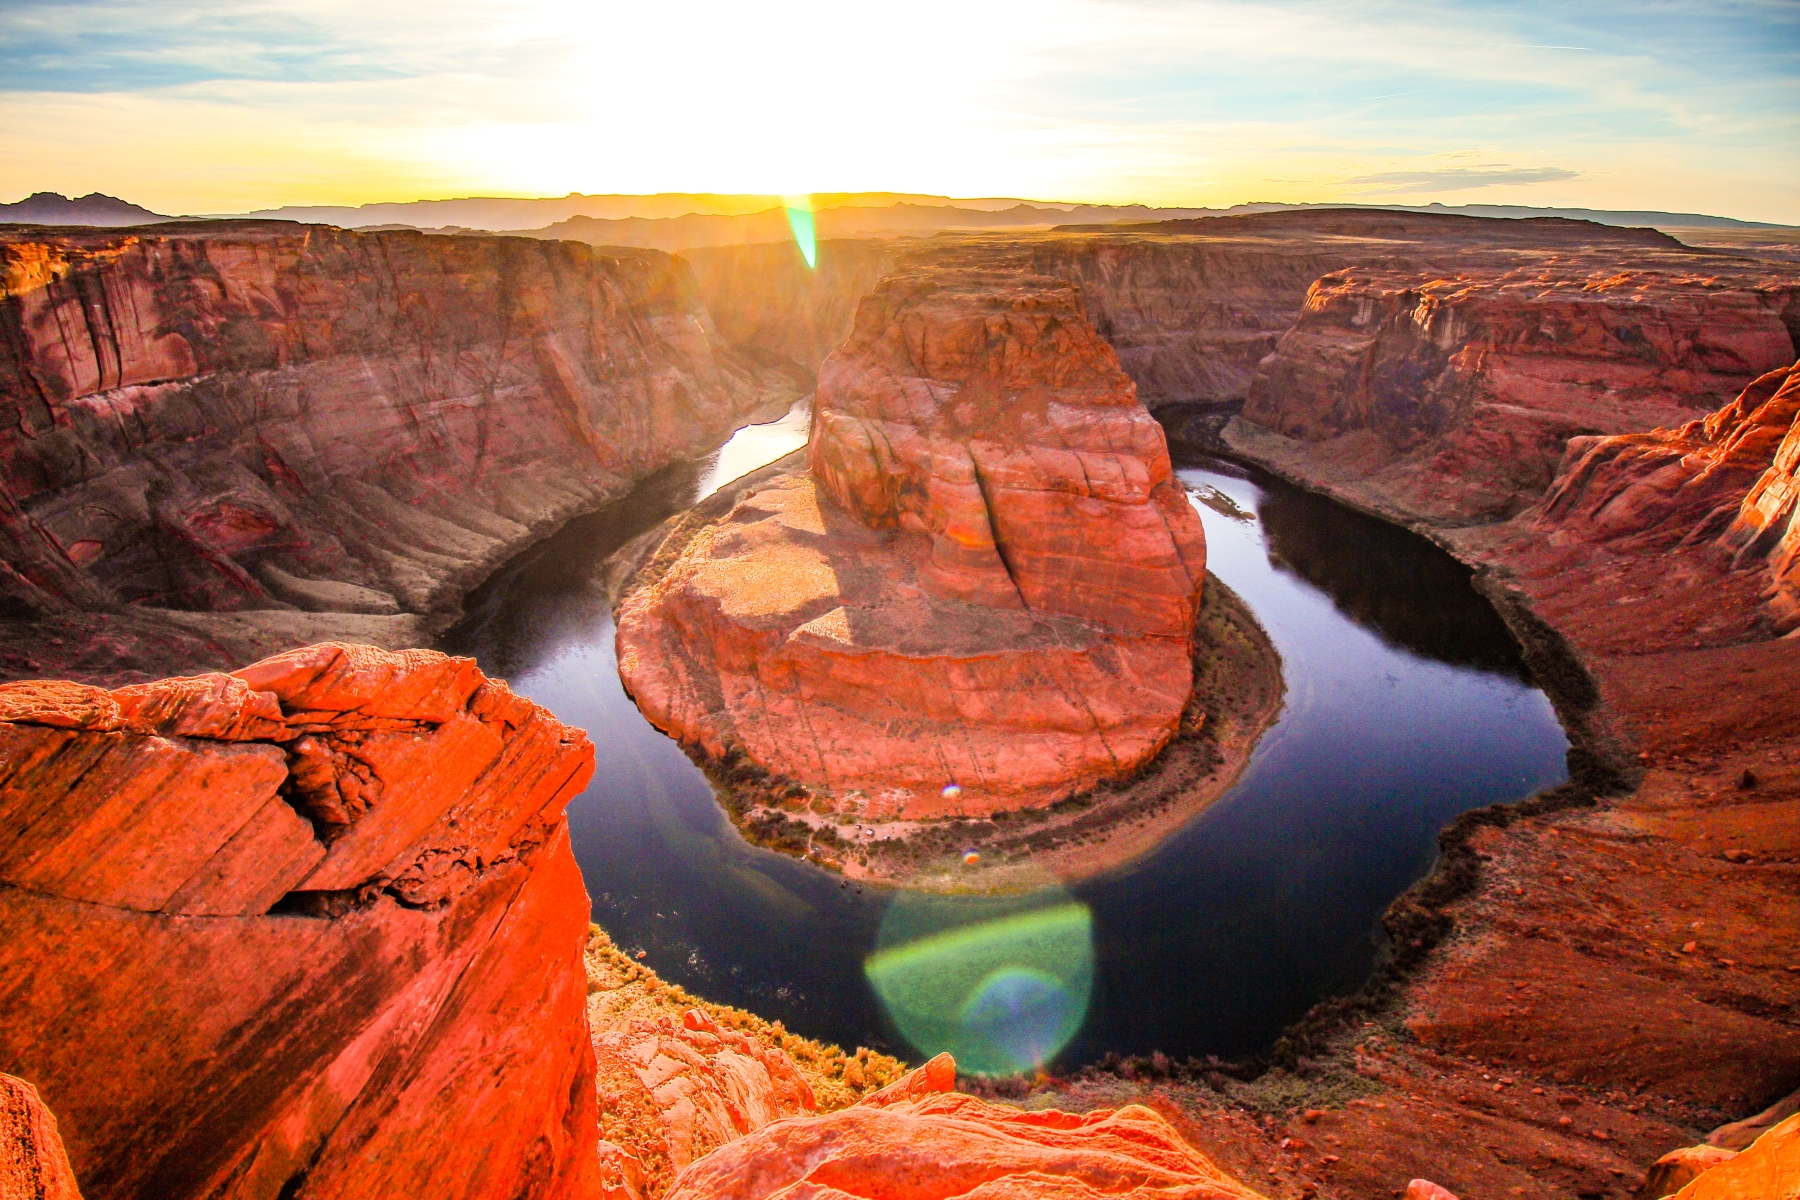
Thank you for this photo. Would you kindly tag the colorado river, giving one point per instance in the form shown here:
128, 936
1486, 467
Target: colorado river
1407, 703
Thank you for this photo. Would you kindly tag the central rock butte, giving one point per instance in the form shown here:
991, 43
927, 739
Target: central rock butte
988, 577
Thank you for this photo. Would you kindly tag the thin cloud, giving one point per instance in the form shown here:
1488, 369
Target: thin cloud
1456, 179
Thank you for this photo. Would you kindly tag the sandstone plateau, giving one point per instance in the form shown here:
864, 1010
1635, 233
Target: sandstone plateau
319, 432
312, 929
987, 577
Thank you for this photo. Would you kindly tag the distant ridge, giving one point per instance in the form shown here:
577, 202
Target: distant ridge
53, 208
680, 220
1600, 216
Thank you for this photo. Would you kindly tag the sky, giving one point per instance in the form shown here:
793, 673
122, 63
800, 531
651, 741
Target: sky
229, 105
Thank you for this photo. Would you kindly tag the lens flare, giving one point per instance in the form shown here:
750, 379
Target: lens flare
800, 220
1004, 994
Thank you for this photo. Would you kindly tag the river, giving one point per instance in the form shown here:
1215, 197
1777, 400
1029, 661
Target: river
1407, 703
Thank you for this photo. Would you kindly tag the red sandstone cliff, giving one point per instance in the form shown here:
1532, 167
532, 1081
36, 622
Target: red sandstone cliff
1728, 480
33, 1163
282, 419
1448, 398
988, 578
310, 929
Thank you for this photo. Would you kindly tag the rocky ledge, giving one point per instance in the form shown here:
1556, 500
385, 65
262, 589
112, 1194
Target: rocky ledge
310, 929
980, 597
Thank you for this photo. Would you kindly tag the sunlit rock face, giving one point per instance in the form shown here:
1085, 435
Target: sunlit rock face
311, 929
918, 1139
264, 417
986, 582
1449, 397
1731, 478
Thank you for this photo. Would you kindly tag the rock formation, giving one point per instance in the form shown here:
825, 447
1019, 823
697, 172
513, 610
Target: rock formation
1448, 398
919, 1140
1769, 1168
987, 579
680, 1076
311, 929
1731, 479
33, 1164
282, 420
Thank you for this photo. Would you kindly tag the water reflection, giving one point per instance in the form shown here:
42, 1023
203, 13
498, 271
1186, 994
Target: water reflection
1406, 705
1377, 575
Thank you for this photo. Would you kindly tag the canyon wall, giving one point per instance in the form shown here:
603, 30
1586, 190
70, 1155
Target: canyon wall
982, 594
1191, 307
271, 418
1448, 398
1727, 480
771, 307
310, 929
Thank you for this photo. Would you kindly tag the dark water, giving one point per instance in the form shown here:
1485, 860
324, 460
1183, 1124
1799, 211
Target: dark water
1407, 704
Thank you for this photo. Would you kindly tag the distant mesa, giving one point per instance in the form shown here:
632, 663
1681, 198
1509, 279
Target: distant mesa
53, 208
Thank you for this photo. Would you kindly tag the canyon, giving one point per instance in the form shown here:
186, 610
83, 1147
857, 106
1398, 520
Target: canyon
1601, 422
223, 440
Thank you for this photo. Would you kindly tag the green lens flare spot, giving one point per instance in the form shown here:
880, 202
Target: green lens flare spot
1003, 995
800, 220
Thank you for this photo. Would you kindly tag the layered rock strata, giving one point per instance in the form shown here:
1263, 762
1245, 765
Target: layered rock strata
918, 1139
309, 929
1447, 399
981, 595
1730, 479
680, 1076
322, 430
1193, 307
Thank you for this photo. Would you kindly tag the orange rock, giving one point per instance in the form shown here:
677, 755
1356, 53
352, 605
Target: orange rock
1424, 1189
988, 578
260, 926
1678, 1168
1733, 478
1768, 521
253, 416
707, 1085
1450, 398
918, 1140
33, 1165
1768, 1170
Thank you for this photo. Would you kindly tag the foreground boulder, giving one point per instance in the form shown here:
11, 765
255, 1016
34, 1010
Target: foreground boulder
918, 1139
310, 929
979, 597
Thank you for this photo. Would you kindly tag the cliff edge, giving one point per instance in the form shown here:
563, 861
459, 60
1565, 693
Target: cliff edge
309, 929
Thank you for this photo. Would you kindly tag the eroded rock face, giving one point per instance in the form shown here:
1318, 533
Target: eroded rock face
33, 1164
987, 578
260, 928
1449, 397
258, 416
1730, 479
918, 1139
702, 1084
